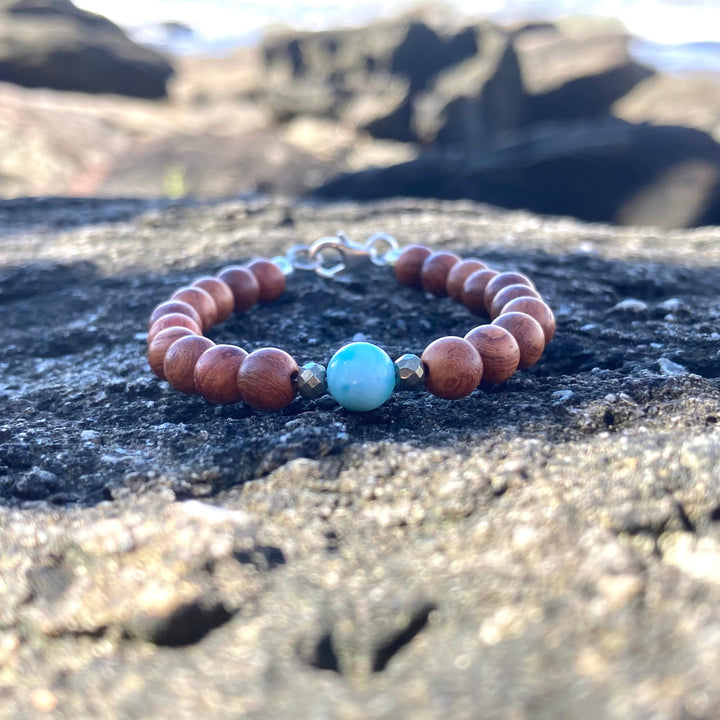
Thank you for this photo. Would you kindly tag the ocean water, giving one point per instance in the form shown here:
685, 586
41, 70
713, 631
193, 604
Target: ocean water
674, 34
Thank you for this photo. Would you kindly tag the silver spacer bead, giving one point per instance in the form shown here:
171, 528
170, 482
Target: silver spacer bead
409, 372
311, 380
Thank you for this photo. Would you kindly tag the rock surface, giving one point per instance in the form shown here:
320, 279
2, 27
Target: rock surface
672, 100
205, 141
600, 170
548, 548
575, 77
521, 117
471, 103
53, 44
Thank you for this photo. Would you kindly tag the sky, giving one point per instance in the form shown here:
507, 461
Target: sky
660, 21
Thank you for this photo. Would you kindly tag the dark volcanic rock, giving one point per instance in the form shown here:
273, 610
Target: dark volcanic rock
602, 171
548, 548
319, 73
51, 43
575, 77
383, 109
674, 100
472, 102
412, 50
518, 117
423, 53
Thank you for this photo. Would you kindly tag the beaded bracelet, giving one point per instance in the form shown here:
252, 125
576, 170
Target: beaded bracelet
360, 376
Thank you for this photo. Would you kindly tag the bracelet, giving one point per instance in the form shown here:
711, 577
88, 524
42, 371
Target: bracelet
360, 376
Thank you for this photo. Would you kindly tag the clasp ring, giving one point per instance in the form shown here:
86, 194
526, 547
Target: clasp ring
349, 254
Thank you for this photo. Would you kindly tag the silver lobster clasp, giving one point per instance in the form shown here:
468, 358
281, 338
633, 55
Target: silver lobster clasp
337, 254
334, 255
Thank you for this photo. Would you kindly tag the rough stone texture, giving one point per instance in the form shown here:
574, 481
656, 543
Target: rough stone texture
548, 548
52, 43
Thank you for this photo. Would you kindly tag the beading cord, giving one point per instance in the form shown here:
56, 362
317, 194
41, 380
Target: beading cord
360, 376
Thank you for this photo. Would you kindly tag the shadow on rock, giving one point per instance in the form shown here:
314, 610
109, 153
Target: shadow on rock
604, 170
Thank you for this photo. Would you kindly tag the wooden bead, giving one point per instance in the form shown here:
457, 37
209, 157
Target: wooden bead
173, 320
453, 367
434, 272
503, 280
270, 278
221, 293
268, 379
457, 276
216, 374
180, 360
243, 284
473, 291
201, 301
535, 309
508, 293
409, 264
159, 346
528, 333
498, 349
174, 306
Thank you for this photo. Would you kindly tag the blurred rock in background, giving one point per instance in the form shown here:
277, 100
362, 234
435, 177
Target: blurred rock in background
53, 44
559, 118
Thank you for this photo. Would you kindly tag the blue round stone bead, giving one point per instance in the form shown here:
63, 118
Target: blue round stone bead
360, 376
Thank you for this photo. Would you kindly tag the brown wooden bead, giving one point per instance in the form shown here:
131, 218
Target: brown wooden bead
453, 367
434, 272
202, 301
216, 373
268, 379
457, 276
535, 309
270, 278
221, 293
508, 293
243, 284
174, 306
409, 264
159, 346
180, 359
473, 291
528, 333
503, 280
498, 349
173, 320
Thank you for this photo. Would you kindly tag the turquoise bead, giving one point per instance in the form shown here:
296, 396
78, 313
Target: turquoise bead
360, 376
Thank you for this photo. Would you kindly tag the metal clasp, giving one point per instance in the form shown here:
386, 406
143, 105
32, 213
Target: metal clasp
346, 254
349, 254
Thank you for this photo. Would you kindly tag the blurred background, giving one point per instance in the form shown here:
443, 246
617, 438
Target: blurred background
605, 110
